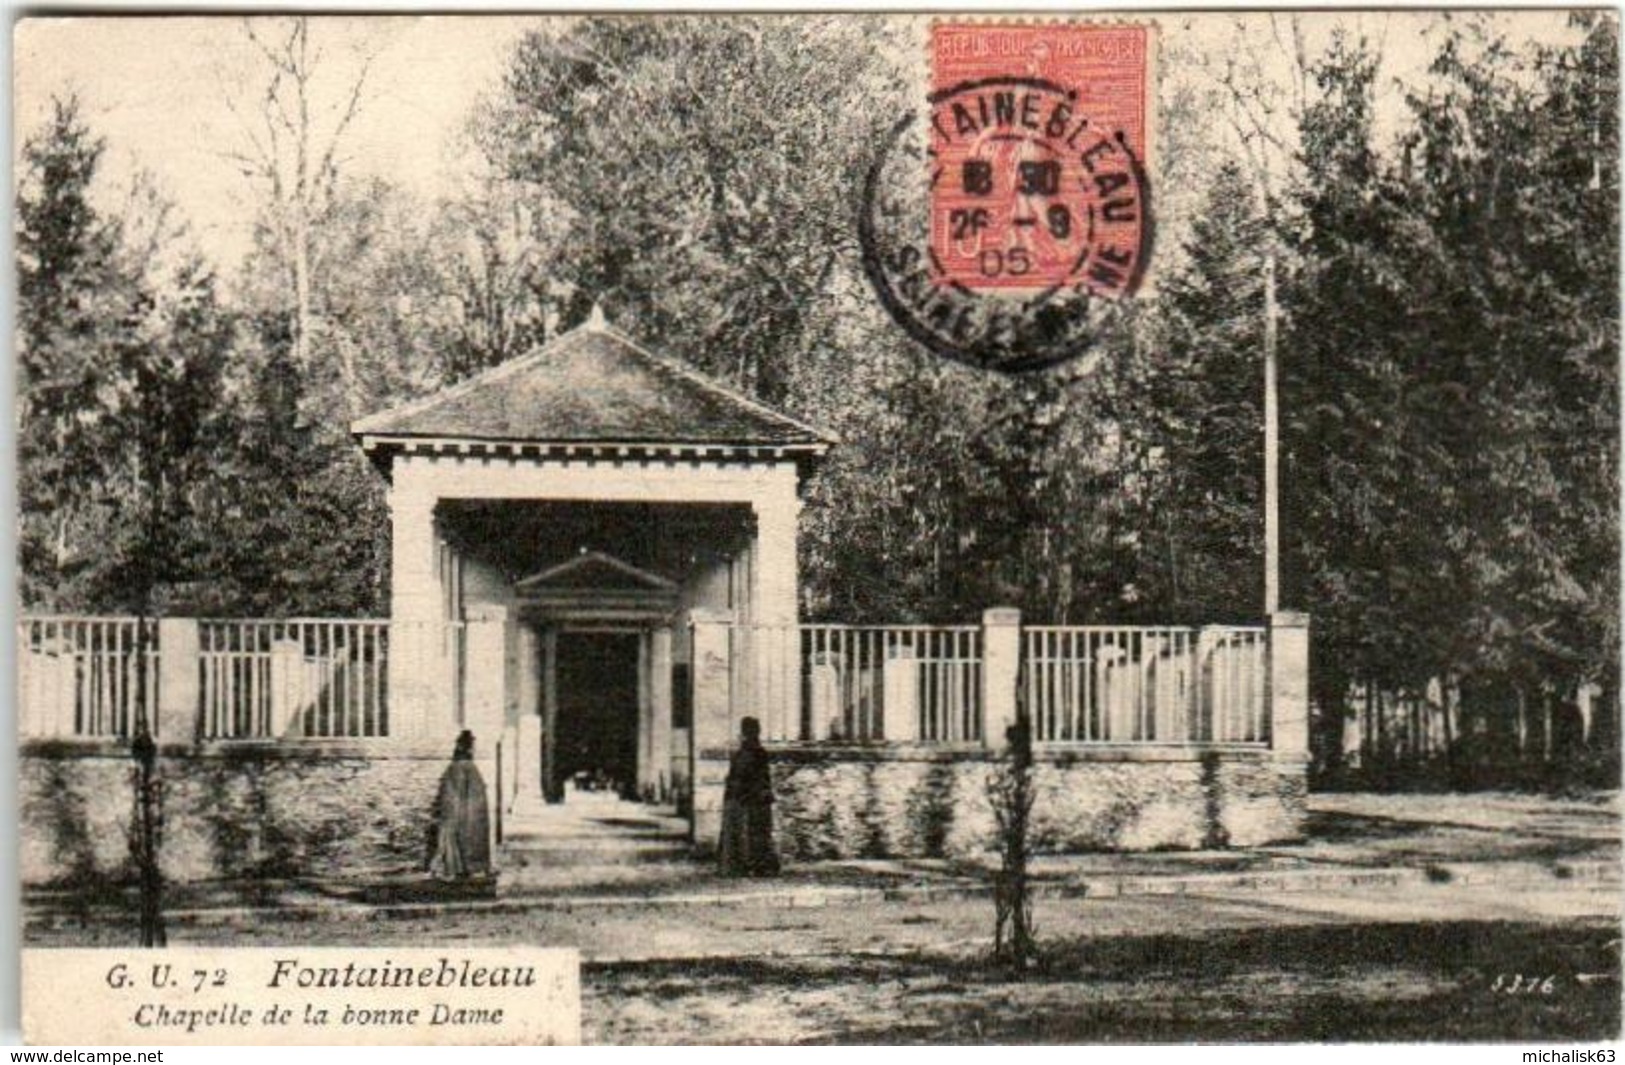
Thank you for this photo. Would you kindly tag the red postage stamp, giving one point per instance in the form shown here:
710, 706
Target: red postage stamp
1039, 148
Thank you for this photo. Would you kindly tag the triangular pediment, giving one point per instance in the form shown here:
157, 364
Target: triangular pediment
597, 571
592, 384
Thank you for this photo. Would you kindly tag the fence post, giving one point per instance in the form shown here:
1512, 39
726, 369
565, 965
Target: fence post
711, 668
1289, 684
1001, 668
900, 695
179, 689
288, 687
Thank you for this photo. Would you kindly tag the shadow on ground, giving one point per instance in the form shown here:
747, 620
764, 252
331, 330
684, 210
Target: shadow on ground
1345, 982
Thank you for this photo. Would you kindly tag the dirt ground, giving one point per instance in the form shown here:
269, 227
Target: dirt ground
1237, 968
1408, 982
1349, 965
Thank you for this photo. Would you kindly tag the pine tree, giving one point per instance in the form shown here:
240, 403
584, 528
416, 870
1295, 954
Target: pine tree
1199, 409
78, 310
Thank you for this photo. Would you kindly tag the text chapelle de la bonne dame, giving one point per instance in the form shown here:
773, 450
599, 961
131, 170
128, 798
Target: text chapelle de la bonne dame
289, 974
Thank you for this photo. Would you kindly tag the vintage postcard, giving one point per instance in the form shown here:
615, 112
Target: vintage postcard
819, 528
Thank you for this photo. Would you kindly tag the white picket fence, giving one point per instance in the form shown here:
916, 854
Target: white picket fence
859, 683
300, 678
328, 678
1083, 685
255, 679
1139, 685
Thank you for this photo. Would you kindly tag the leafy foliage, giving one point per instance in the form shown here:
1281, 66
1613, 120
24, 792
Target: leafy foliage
1448, 357
119, 361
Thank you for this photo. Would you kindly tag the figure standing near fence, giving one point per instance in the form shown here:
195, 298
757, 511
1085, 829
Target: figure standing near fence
747, 808
462, 818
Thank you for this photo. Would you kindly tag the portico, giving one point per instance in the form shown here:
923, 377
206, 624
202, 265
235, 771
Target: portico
568, 512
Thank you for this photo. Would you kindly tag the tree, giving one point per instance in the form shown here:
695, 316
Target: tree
495, 277
297, 523
1453, 377
76, 307
121, 347
1516, 154
291, 145
721, 152
1196, 408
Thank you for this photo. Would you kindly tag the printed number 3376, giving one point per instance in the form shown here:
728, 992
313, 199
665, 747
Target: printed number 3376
1518, 984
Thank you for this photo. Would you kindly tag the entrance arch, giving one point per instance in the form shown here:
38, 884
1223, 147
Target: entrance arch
605, 697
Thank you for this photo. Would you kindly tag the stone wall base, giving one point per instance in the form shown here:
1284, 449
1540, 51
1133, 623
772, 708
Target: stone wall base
898, 803
232, 813
274, 813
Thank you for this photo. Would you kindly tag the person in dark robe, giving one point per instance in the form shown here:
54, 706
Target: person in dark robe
747, 809
463, 820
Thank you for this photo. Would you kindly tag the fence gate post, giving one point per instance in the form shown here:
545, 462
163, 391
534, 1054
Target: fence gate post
713, 725
1289, 684
288, 695
1001, 666
900, 695
179, 689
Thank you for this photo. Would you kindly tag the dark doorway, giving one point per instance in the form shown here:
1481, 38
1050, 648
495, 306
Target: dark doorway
597, 730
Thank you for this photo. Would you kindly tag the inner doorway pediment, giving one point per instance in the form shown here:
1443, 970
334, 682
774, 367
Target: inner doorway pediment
597, 587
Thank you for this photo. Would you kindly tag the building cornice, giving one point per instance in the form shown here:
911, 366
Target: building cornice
384, 446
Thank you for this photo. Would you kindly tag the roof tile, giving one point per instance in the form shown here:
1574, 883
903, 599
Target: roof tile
593, 384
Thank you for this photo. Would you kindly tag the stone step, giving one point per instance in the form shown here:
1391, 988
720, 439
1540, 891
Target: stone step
588, 879
609, 817
561, 823
592, 836
545, 853
544, 830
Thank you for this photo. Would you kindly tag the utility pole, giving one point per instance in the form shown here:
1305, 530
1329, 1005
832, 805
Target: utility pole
1272, 446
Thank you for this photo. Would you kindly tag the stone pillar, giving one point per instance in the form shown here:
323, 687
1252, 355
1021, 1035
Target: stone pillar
527, 771
645, 751
485, 695
547, 733
900, 695
421, 651
485, 701
824, 694
660, 710
1001, 666
1351, 717
179, 692
774, 557
287, 688
527, 704
1585, 700
714, 727
1289, 685
529, 697
414, 590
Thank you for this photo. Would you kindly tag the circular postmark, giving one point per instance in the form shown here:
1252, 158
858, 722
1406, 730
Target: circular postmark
1032, 223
